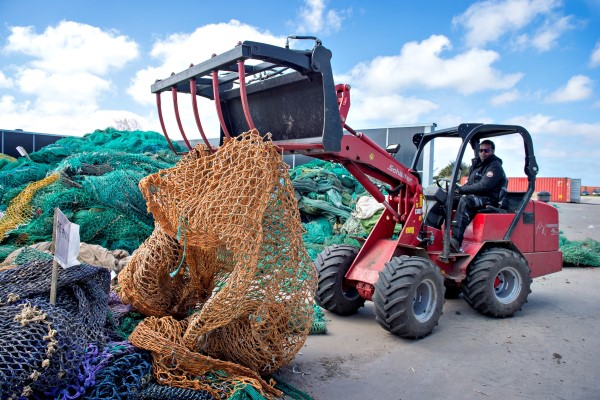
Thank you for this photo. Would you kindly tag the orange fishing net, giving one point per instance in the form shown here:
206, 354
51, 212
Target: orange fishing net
225, 274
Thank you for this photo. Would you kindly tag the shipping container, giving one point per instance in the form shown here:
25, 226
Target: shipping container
559, 188
562, 190
575, 190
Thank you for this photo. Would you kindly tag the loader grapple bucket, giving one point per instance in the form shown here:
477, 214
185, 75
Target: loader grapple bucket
287, 93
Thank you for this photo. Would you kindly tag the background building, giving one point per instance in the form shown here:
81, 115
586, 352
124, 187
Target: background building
30, 141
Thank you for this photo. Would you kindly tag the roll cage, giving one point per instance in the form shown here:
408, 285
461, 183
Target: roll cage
472, 134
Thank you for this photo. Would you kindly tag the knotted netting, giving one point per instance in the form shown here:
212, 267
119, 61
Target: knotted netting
327, 195
92, 179
227, 256
44, 349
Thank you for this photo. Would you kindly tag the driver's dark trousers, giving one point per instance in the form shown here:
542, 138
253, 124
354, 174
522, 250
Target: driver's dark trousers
468, 206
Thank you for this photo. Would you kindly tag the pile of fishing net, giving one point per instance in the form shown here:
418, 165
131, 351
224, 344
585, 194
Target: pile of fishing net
584, 253
224, 278
327, 195
93, 180
93, 177
44, 349
75, 348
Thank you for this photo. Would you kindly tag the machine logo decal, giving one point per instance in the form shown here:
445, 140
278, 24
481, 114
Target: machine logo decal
547, 229
401, 174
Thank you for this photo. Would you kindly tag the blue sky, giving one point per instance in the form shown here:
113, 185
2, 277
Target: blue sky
70, 67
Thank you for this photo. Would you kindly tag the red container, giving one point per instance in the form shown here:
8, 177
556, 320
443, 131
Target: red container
559, 188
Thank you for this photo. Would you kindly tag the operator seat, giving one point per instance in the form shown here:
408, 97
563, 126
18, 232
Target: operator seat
502, 205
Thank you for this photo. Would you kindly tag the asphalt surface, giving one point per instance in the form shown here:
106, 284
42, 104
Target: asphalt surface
549, 350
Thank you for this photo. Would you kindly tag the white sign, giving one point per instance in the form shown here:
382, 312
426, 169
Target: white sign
66, 241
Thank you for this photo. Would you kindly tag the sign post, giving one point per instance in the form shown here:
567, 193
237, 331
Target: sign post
65, 247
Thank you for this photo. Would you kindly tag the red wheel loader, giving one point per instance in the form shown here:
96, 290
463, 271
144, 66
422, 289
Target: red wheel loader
291, 94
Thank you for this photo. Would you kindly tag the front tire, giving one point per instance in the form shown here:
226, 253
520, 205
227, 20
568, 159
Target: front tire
332, 292
409, 296
497, 283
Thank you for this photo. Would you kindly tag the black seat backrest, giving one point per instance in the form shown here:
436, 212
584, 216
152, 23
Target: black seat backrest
502, 199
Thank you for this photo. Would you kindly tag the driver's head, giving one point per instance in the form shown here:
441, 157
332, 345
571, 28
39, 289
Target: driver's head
486, 149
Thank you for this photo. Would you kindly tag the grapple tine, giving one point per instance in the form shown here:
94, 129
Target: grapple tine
243, 95
293, 96
215, 85
176, 109
162, 122
196, 115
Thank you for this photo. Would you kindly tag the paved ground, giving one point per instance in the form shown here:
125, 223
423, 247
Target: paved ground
549, 350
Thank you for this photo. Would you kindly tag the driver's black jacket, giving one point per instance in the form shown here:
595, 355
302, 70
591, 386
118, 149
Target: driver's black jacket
485, 178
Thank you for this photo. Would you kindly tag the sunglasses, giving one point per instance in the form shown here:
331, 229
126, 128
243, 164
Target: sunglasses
485, 150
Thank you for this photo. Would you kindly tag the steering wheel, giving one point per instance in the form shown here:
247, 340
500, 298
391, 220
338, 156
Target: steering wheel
443, 183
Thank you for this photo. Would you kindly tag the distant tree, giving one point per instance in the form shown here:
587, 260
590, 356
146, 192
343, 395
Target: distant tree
127, 124
446, 172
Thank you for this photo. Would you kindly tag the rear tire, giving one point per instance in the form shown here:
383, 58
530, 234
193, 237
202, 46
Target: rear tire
409, 296
332, 293
497, 283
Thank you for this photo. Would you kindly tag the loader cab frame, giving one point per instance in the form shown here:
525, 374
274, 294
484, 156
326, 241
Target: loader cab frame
471, 134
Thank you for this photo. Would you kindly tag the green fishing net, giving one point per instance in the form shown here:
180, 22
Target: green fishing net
97, 189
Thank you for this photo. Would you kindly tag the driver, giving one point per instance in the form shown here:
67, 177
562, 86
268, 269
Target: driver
486, 177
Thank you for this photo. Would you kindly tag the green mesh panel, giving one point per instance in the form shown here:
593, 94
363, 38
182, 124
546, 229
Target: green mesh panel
327, 195
580, 253
98, 187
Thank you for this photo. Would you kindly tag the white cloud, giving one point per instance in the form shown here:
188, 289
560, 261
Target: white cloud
546, 37
43, 118
315, 18
173, 52
420, 64
372, 110
72, 47
577, 88
558, 146
61, 86
505, 98
173, 55
487, 21
448, 120
5, 82
64, 89
540, 124
595, 57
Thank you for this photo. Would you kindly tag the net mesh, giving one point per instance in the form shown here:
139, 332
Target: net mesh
327, 195
19, 210
92, 179
585, 253
232, 266
43, 348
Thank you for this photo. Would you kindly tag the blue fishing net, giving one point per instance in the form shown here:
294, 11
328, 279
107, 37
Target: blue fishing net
118, 372
43, 348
